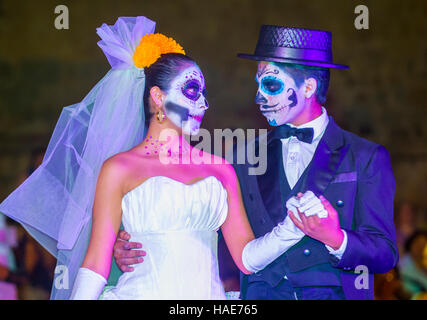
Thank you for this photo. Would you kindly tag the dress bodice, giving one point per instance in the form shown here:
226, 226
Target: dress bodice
177, 225
163, 204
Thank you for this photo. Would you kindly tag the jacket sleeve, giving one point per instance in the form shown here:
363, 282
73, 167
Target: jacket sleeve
372, 240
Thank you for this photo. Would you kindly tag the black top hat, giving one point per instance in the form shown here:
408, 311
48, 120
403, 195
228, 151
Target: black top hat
295, 46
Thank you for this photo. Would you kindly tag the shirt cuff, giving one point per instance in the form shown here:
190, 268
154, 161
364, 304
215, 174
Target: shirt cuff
340, 251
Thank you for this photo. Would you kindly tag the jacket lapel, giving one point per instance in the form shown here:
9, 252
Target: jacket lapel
328, 156
273, 184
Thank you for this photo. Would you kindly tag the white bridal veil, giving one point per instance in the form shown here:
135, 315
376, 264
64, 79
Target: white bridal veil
55, 203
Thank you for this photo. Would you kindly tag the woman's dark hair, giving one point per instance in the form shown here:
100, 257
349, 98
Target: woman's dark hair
161, 73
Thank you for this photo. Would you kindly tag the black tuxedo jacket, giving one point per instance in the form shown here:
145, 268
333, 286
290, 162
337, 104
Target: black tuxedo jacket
356, 177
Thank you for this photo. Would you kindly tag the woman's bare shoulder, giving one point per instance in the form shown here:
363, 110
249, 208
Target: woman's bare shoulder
219, 167
127, 158
119, 168
210, 158
118, 162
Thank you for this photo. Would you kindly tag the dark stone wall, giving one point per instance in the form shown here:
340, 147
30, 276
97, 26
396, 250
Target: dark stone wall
382, 96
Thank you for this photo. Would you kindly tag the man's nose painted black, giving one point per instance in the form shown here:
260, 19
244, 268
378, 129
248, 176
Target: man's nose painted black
260, 99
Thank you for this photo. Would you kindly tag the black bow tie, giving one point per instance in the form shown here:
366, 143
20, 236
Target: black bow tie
285, 131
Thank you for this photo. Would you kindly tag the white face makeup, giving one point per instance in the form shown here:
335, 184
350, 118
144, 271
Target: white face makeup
185, 103
279, 98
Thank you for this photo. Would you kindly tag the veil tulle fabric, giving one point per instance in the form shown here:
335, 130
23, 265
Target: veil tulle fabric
55, 203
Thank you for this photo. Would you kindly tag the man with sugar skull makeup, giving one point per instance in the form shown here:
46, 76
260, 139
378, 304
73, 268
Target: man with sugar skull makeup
336, 188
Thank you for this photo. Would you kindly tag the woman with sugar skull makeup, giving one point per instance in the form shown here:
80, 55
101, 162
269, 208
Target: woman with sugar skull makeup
110, 161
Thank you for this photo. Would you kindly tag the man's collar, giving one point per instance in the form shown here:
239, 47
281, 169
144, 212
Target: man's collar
318, 124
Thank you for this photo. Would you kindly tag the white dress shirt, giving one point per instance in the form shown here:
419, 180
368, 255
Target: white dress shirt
297, 155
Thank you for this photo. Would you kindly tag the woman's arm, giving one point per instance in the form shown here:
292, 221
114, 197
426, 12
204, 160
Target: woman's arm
107, 215
236, 229
250, 254
106, 220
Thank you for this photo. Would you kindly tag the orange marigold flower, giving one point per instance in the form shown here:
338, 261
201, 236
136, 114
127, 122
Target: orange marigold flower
152, 46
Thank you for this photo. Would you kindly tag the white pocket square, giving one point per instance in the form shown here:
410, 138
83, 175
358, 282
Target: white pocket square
345, 177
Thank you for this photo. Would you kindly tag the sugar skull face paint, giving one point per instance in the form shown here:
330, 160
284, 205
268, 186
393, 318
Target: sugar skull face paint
185, 103
279, 98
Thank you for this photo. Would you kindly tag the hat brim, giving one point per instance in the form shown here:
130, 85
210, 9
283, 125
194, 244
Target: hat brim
293, 61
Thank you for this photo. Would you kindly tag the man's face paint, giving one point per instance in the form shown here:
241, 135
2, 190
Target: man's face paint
185, 102
279, 98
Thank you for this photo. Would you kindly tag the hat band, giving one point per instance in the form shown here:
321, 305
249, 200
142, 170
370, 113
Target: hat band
294, 53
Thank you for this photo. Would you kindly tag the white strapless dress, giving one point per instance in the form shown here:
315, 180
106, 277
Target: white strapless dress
177, 225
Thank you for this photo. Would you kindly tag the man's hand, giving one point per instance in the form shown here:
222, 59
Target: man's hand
307, 203
123, 255
326, 230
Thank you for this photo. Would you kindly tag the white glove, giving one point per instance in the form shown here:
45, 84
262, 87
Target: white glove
292, 204
308, 204
262, 251
88, 285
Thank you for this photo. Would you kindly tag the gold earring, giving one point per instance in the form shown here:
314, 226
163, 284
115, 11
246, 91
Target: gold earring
307, 89
161, 117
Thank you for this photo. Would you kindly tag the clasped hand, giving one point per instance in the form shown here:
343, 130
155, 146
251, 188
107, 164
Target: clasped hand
317, 218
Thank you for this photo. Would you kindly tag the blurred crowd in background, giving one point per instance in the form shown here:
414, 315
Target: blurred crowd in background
27, 269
